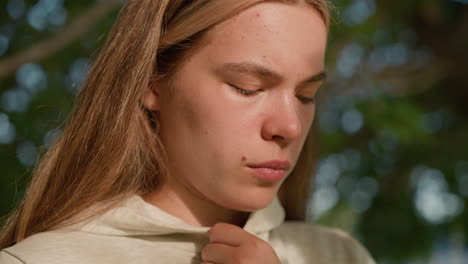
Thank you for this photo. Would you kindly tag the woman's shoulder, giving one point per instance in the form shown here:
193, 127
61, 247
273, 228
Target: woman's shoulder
304, 241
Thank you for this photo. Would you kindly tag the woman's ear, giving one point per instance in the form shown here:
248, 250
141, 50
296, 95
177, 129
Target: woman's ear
151, 99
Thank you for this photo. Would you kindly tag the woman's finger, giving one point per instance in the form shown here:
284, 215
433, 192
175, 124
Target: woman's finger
228, 234
217, 253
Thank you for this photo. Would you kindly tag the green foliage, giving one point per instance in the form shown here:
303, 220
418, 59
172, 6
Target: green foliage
393, 119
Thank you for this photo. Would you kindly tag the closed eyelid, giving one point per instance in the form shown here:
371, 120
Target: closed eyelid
263, 73
305, 99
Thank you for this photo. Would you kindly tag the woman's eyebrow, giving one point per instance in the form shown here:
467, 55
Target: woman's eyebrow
251, 68
321, 76
264, 72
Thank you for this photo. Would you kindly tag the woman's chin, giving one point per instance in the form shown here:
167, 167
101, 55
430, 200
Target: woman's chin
250, 202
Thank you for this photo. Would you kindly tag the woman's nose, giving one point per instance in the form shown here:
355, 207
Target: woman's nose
282, 123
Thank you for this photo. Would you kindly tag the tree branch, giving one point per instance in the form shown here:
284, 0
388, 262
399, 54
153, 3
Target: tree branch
80, 25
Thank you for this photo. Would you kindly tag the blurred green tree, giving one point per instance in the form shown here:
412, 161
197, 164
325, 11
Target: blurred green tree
392, 119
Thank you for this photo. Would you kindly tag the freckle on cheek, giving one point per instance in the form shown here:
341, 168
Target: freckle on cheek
244, 158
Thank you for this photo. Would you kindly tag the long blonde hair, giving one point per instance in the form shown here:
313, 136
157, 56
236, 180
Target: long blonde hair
108, 150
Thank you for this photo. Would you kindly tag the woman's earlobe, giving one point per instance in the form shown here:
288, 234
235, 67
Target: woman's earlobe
151, 99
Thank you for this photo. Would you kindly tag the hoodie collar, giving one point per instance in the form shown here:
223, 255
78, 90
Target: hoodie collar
137, 217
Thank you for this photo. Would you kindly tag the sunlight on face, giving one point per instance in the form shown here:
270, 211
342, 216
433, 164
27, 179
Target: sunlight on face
245, 97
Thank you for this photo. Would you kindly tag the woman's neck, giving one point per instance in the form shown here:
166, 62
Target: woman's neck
192, 208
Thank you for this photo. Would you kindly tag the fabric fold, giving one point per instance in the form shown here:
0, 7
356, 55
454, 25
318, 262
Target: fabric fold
136, 217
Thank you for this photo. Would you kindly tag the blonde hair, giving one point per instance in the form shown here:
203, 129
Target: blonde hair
108, 150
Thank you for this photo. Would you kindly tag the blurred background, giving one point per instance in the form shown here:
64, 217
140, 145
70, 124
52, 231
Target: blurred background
392, 119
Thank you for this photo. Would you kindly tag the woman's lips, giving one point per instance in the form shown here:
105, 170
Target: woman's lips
273, 170
272, 164
269, 174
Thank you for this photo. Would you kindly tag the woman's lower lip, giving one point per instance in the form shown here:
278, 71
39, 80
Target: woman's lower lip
269, 174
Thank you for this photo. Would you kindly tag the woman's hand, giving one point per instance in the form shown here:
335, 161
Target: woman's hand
230, 244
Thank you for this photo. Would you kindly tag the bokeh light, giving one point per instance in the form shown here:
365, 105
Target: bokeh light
47, 14
77, 73
32, 77
7, 130
352, 121
432, 199
51, 136
16, 100
15, 8
4, 44
26, 152
358, 12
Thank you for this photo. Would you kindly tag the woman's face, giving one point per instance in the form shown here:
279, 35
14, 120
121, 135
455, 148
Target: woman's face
214, 133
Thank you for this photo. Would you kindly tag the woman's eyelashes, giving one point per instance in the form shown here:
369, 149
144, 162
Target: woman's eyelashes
303, 99
245, 92
306, 100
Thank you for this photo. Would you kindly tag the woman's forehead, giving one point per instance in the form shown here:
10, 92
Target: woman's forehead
272, 17
281, 35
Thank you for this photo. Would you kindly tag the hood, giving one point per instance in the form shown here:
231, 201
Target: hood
136, 217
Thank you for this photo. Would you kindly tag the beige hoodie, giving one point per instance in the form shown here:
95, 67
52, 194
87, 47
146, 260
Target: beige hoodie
138, 232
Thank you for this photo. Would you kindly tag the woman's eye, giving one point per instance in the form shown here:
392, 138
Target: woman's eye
303, 99
243, 91
306, 100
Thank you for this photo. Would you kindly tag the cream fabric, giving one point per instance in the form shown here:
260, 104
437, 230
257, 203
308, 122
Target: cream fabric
138, 232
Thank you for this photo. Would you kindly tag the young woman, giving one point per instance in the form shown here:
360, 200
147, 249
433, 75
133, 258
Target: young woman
189, 143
